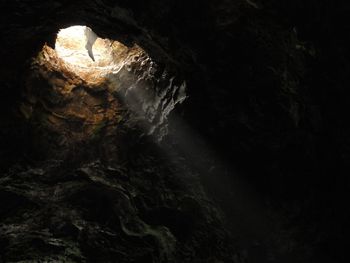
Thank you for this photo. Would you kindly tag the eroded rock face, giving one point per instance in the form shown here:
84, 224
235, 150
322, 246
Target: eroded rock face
144, 211
74, 99
96, 188
268, 88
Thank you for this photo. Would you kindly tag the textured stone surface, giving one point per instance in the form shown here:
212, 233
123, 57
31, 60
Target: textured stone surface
140, 212
267, 92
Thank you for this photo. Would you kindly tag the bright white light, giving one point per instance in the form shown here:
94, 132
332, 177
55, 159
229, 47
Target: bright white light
83, 51
93, 59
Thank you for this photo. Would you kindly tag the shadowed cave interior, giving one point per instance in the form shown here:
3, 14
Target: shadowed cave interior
174, 131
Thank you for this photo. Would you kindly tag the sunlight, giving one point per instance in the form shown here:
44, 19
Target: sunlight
83, 51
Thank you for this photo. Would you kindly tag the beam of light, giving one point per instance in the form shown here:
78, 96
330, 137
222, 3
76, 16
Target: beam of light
237, 199
87, 54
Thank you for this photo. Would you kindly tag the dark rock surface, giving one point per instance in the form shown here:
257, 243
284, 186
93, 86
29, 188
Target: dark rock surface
148, 210
253, 167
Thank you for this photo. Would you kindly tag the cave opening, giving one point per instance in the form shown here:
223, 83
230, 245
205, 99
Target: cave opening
85, 89
173, 131
85, 54
71, 92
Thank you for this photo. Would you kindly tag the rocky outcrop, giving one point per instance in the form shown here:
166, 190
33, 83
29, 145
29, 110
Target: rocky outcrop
142, 211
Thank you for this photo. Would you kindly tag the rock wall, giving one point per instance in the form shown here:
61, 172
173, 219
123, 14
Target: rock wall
267, 91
